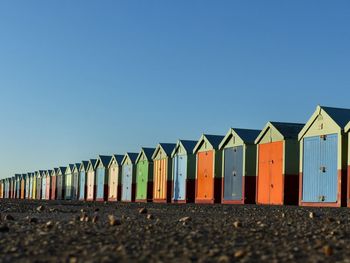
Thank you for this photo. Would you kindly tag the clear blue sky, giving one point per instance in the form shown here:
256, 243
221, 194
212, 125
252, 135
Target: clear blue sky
81, 78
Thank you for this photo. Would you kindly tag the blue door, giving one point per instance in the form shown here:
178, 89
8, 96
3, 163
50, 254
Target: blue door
43, 188
100, 179
320, 174
233, 173
311, 169
329, 170
180, 173
126, 182
82, 185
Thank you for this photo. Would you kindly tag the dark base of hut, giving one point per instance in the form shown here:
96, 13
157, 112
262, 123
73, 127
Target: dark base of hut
248, 192
342, 198
112, 199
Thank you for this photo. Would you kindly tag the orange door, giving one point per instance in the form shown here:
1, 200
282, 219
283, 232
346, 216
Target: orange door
264, 174
276, 173
205, 176
160, 177
270, 177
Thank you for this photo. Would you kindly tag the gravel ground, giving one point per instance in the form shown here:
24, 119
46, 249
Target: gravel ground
39, 231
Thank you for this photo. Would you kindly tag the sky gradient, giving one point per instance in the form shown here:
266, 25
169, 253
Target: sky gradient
82, 78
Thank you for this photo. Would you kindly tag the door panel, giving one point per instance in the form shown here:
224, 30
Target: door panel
126, 182
82, 185
329, 170
180, 173
233, 175
100, 176
311, 169
205, 176
276, 173
90, 188
113, 182
264, 174
141, 180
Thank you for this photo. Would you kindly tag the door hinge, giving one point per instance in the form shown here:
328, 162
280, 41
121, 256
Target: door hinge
323, 169
322, 198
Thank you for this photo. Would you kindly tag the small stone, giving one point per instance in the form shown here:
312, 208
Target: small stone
143, 211
86, 219
94, 219
239, 253
82, 210
73, 260
9, 218
49, 224
40, 208
185, 219
33, 220
283, 215
4, 229
327, 250
237, 224
150, 216
113, 221
223, 259
311, 214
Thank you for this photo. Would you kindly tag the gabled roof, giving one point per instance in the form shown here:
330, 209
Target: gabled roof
118, 158
131, 156
246, 135
347, 127
287, 130
62, 170
340, 116
186, 144
166, 147
83, 164
92, 162
214, 141
104, 159
70, 167
148, 152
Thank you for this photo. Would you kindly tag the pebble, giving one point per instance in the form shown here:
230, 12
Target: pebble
94, 219
150, 216
49, 224
237, 224
9, 218
4, 229
327, 250
33, 220
311, 214
40, 208
143, 211
113, 221
223, 259
185, 219
239, 253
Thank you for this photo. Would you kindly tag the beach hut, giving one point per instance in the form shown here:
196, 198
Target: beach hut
162, 172
18, 179
115, 175
144, 175
43, 185
23, 186
91, 186
60, 183
53, 186
239, 166
128, 177
323, 158
13, 187
208, 169
75, 181
184, 172
39, 184
5, 188
34, 186
27, 188
101, 177
68, 182
82, 180
30, 186
1, 188
278, 164
48, 185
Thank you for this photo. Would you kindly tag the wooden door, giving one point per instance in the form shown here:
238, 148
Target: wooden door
205, 176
